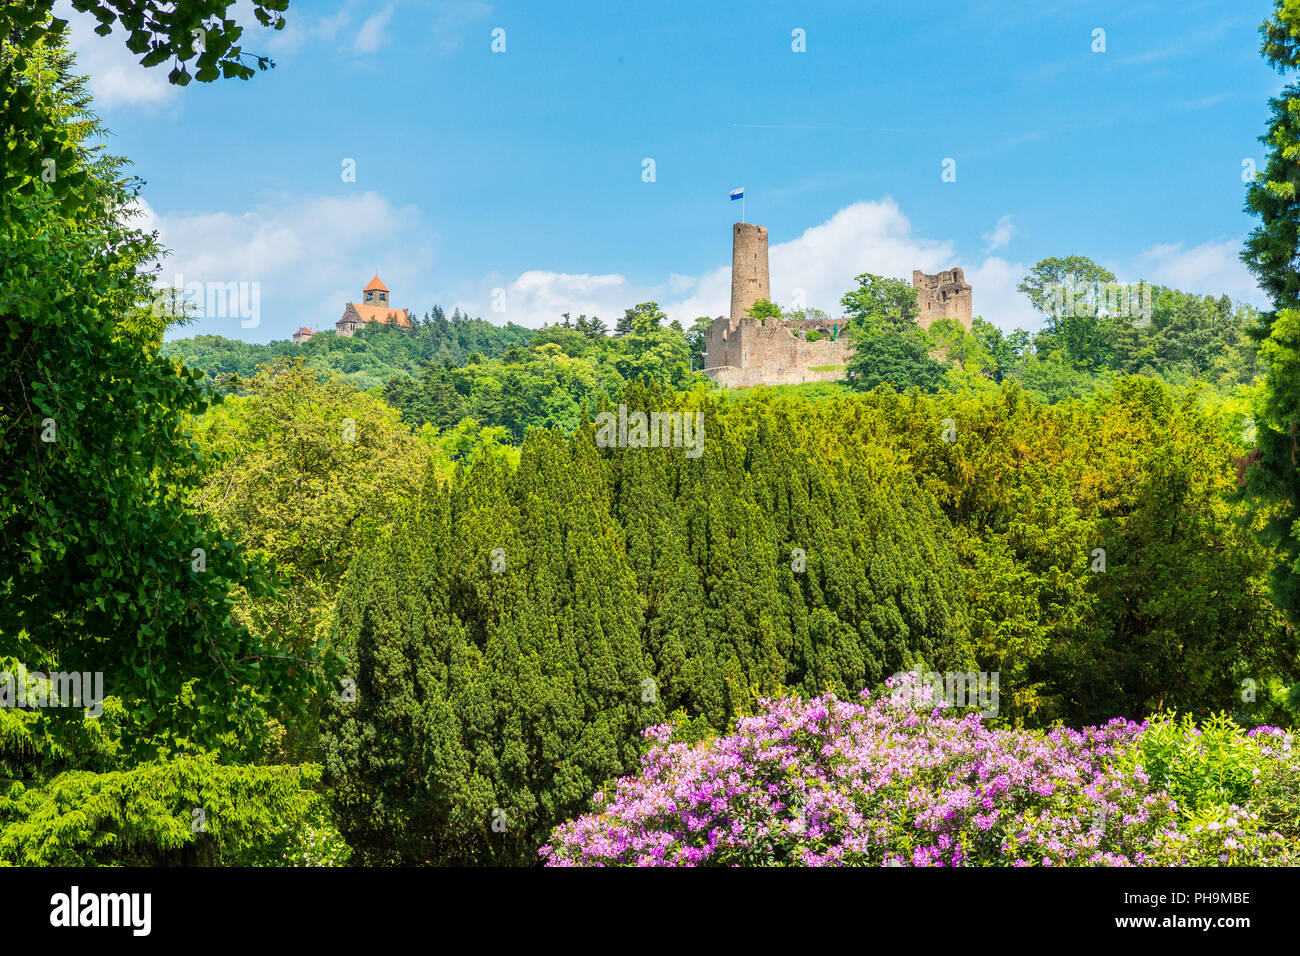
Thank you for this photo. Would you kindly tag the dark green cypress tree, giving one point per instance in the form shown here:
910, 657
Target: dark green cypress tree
514, 636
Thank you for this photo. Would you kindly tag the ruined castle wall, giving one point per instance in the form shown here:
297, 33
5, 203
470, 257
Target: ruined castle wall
775, 353
721, 343
749, 277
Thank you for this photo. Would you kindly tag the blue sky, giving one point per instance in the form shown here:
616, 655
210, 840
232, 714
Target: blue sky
522, 170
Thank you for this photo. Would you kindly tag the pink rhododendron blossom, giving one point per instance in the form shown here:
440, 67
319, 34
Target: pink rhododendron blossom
881, 782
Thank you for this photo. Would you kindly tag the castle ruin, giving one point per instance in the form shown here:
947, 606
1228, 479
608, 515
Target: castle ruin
741, 351
945, 295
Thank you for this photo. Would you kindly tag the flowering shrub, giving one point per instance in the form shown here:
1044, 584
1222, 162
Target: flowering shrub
1213, 764
903, 780
1278, 789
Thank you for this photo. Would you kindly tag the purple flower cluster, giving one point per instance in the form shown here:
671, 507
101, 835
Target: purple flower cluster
895, 781
1273, 741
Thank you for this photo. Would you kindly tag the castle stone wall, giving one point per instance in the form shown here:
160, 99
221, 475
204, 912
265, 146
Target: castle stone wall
748, 352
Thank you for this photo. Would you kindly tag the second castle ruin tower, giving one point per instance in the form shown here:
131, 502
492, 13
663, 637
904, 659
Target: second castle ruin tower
944, 295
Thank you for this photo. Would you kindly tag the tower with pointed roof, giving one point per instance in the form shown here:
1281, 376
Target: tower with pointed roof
373, 307
376, 293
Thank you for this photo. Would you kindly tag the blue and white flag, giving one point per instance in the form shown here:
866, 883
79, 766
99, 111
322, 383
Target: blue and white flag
738, 193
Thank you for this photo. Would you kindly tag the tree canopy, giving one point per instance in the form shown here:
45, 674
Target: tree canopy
1271, 253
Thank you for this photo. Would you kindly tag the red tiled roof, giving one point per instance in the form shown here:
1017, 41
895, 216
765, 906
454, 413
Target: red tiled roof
384, 314
375, 286
304, 331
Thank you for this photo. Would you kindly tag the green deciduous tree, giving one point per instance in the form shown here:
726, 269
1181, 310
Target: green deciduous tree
880, 303
105, 568
763, 310
898, 357
103, 565
1067, 292
305, 474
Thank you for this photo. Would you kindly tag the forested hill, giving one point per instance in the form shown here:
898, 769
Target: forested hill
369, 358
446, 369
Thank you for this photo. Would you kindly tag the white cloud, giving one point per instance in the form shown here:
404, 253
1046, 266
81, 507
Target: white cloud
300, 27
1212, 268
538, 297
308, 257
1001, 233
995, 299
448, 20
372, 34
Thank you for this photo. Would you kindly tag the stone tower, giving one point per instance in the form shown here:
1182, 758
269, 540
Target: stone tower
376, 293
944, 295
749, 279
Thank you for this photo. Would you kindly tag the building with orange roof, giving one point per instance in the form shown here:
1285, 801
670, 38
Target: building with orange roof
302, 335
373, 307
